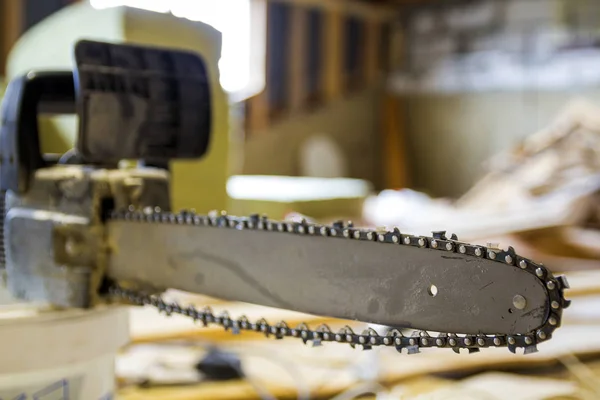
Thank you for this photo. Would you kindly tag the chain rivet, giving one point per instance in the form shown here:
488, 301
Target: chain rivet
552, 321
395, 239
439, 342
434, 244
523, 264
370, 235
462, 249
468, 342
356, 234
449, 246
511, 340
421, 242
497, 341
407, 240
452, 342
381, 238
478, 252
542, 335
555, 304
550, 285
508, 259
528, 340
539, 272
481, 341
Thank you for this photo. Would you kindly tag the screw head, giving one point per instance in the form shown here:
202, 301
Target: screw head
519, 302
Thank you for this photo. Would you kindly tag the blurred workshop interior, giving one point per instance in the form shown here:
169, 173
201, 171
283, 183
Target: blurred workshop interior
477, 117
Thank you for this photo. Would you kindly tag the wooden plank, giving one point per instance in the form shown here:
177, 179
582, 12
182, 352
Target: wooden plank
395, 168
11, 24
297, 55
333, 54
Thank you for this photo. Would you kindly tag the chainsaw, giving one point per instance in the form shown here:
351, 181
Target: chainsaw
81, 230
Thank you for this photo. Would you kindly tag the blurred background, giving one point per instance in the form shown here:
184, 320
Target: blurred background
480, 117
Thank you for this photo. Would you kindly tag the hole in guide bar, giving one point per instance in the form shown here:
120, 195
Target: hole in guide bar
510, 311
432, 290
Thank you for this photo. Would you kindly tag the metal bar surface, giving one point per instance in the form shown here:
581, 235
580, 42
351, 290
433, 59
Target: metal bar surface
372, 282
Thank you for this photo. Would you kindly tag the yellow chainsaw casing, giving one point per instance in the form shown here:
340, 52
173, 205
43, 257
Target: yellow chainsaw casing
198, 184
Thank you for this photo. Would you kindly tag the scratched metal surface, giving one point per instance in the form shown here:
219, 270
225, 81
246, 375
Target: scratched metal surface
359, 280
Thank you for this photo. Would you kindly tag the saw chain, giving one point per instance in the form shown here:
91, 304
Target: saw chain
369, 338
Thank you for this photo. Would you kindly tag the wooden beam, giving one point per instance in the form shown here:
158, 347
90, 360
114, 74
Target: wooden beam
333, 54
395, 166
360, 8
372, 50
297, 55
257, 107
11, 26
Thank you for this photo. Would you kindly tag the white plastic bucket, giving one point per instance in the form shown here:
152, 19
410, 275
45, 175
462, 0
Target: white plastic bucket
59, 355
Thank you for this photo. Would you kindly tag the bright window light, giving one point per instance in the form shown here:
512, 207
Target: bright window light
243, 46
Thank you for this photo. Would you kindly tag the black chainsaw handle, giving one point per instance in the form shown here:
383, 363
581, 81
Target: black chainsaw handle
26, 97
